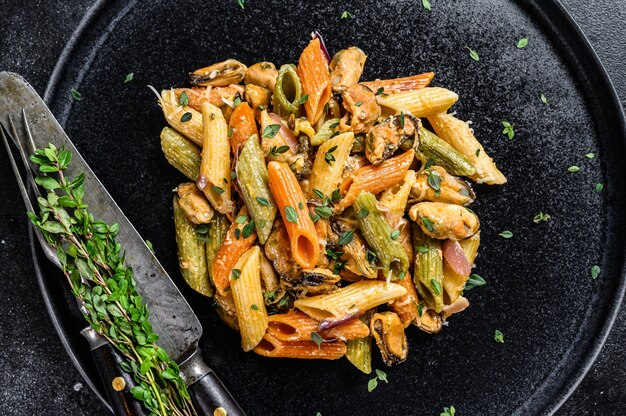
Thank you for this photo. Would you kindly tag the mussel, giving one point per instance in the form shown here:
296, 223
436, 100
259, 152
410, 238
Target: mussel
362, 110
220, 74
388, 332
429, 322
346, 68
262, 74
314, 281
445, 221
383, 140
194, 204
437, 185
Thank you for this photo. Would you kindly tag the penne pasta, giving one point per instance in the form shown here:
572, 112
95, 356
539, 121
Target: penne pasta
381, 237
276, 140
215, 235
315, 78
181, 153
374, 179
325, 132
428, 270
328, 165
298, 326
253, 182
214, 95
396, 197
459, 135
420, 103
453, 282
191, 259
293, 208
245, 281
390, 86
351, 299
183, 119
214, 175
406, 307
270, 346
239, 238
287, 92
444, 155
242, 125
359, 351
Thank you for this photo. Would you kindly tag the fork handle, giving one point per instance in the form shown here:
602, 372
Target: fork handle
117, 383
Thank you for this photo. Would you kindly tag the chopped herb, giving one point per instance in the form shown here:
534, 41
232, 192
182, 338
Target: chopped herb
236, 273
241, 3
270, 131
382, 376
434, 181
436, 286
329, 158
149, 244
522, 43
317, 338
429, 163
428, 224
230, 131
358, 103
590, 155
346, 15
237, 100
448, 411
426, 4
338, 267
129, 77
314, 218
420, 309
233, 175
473, 54
401, 118
269, 296
395, 234
423, 249
237, 233
202, 229
541, 217
217, 189
595, 271
544, 99
336, 196
372, 384
401, 276
283, 302
371, 257
364, 212
506, 234
186, 117
318, 414
324, 212
599, 187
573, 169
335, 255
380, 90
261, 107
241, 219
263, 201
318, 193
248, 230
334, 125
498, 336
300, 205
345, 238
473, 281
304, 98
291, 214
276, 151
77, 96
508, 129
183, 99
254, 307
477, 152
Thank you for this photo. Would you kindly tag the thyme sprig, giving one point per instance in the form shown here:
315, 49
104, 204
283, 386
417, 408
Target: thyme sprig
94, 265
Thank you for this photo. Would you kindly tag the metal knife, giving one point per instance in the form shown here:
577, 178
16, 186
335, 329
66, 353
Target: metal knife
170, 315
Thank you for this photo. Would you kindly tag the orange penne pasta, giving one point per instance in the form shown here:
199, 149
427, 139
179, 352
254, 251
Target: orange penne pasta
212, 95
271, 346
315, 78
243, 126
293, 208
298, 326
390, 86
374, 179
231, 249
406, 306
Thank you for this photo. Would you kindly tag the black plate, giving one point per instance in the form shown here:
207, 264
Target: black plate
539, 291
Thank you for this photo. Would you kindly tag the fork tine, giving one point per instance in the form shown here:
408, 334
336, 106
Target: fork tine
30, 142
20, 145
18, 175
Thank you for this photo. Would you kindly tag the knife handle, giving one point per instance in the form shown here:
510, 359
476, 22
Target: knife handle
117, 383
209, 395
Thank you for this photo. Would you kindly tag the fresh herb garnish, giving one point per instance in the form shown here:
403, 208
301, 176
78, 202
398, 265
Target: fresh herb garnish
274, 151
335, 255
346, 15
364, 212
186, 117
473, 281
522, 43
436, 286
236, 273
241, 3
599, 187
590, 155
254, 307
345, 238
77, 96
448, 411
473, 54
434, 181
318, 194
426, 4
241, 219
237, 233
508, 129
328, 157
304, 98
371, 257
573, 169
423, 249
420, 309
270, 131
217, 189
324, 212
395, 234
401, 118
317, 339
358, 103
506, 234
263, 201
477, 152
498, 336
291, 214
541, 217
428, 224
372, 384
237, 100
429, 163
183, 99
336, 196
248, 229
129, 77
382, 376
544, 99
380, 90
595, 271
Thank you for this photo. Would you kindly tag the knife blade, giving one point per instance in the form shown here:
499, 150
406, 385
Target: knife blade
171, 316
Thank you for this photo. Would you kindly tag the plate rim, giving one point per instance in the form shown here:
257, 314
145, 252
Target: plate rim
560, 20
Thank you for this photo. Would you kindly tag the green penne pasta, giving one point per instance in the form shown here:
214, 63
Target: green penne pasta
287, 92
191, 254
444, 155
359, 351
217, 229
428, 273
181, 153
326, 132
381, 238
252, 179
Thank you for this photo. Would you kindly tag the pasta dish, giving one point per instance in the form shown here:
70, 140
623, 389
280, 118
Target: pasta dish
324, 213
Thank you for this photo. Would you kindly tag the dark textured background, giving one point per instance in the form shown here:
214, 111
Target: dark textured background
42, 381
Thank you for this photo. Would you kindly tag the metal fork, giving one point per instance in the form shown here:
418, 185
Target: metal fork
107, 359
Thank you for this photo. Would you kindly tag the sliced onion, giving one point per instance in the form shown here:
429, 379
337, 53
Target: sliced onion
285, 133
317, 35
453, 255
326, 324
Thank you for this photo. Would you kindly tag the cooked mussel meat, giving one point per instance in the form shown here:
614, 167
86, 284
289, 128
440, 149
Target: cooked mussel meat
220, 74
388, 332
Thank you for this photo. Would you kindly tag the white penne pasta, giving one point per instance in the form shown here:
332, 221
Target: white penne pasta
245, 283
453, 282
420, 103
396, 197
459, 135
359, 296
329, 162
214, 175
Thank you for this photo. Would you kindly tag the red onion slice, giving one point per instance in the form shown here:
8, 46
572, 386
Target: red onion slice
453, 255
326, 324
318, 35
